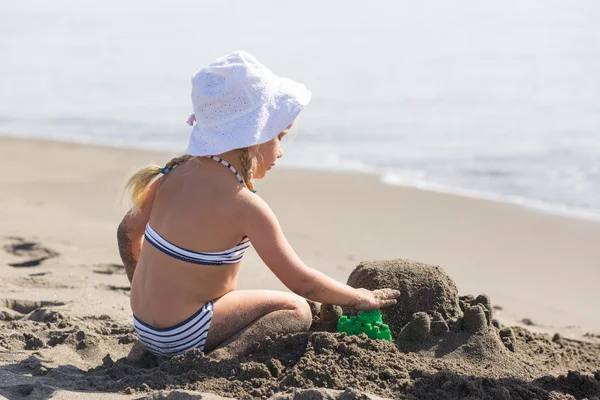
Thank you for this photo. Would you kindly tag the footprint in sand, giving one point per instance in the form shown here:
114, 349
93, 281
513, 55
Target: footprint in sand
15, 309
27, 306
123, 289
109, 269
38, 391
33, 252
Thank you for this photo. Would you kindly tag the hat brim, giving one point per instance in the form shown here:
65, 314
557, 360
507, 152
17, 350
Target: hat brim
256, 127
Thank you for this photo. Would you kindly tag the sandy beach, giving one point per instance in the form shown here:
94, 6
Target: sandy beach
60, 205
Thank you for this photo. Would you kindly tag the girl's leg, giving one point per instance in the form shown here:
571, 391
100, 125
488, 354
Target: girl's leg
243, 317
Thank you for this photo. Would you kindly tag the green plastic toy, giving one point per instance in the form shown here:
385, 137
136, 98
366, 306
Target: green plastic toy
367, 322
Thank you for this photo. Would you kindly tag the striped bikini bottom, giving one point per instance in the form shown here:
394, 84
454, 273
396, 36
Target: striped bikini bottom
176, 339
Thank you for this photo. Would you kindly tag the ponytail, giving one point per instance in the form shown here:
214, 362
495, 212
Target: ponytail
139, 182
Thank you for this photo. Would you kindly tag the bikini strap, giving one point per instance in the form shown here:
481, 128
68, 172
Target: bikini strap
231, 167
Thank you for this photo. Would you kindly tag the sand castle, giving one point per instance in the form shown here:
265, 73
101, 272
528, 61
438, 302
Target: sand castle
423, 288
428, 307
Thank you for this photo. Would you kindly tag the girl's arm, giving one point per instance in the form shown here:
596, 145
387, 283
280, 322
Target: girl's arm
130, 233
263, 230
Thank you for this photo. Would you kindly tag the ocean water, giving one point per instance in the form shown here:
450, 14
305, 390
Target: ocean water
495, 100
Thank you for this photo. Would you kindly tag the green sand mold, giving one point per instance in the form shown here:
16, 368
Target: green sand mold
368, 322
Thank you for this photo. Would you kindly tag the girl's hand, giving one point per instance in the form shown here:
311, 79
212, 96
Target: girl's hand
374, 299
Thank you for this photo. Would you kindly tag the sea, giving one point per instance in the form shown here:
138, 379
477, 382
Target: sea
497, 100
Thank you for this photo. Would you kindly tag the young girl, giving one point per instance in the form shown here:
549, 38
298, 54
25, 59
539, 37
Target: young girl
199, 217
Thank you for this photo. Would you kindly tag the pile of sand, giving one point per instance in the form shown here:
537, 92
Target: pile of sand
423, 288
446, 347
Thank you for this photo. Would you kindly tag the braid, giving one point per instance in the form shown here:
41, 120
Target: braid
248, 163
178, 160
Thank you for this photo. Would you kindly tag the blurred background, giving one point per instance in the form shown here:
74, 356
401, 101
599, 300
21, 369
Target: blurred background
497, 100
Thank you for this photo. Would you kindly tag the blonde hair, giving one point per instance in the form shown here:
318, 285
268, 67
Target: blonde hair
138, 183
248, 162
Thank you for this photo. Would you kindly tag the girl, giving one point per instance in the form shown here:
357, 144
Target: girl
200, 216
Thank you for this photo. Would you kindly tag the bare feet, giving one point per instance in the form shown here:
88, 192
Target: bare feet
137, 352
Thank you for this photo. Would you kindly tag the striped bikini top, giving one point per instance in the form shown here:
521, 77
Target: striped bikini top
231, 256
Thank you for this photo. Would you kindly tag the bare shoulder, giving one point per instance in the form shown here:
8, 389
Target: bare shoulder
254, 210
260, 225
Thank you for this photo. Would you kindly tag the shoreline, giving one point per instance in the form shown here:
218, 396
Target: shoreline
533, 205
534, 265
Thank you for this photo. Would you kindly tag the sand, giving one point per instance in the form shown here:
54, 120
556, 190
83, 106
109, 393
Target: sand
65, 322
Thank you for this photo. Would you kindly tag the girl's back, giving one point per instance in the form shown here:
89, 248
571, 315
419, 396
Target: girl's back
201, 217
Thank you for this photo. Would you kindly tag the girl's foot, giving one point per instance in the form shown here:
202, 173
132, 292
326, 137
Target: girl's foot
137, 352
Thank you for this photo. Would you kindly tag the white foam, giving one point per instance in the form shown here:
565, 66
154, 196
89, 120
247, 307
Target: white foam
410, 179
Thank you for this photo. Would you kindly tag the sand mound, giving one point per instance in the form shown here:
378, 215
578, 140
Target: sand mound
460, 366
424, 288
301, 394
279, 364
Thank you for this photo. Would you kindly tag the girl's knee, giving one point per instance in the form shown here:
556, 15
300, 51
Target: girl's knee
302, 310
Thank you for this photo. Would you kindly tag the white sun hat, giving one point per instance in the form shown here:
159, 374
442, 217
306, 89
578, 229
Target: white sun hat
238, 102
